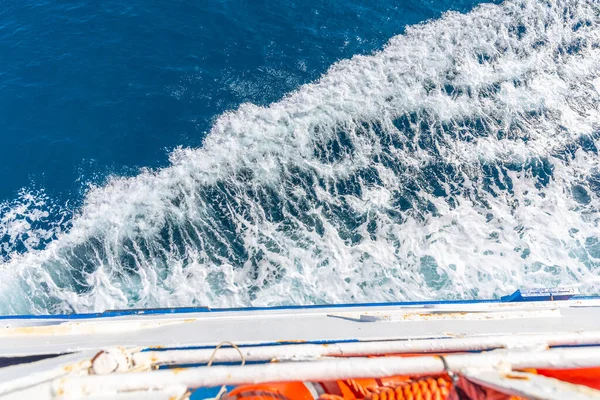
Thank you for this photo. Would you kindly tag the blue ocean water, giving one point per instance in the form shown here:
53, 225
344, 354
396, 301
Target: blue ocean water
90, 90
236, 152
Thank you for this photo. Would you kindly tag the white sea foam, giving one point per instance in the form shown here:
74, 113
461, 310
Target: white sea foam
25, 223
458, 162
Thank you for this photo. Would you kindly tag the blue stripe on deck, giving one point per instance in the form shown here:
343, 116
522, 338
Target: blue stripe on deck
185, 310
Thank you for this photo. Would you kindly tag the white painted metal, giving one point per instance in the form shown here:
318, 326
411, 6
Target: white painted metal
403, 316
313, 351
175, 392
525, 329
530, 386
87, 327
389, 322
331, 369
22, 376
40, 391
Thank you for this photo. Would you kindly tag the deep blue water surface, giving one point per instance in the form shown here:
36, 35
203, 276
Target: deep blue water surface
90, 89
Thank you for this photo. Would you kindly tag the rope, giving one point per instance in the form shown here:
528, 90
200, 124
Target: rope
212, 356
422, 389
223, 389
460, 394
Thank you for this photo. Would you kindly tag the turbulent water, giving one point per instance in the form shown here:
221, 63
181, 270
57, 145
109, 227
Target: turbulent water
461, 161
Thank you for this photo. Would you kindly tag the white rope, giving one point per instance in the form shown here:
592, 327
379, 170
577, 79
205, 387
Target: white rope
223, 389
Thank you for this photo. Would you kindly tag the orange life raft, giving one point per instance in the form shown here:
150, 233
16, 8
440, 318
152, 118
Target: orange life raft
394, 388
399, 388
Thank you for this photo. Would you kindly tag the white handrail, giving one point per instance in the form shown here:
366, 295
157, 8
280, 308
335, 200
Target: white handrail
331, 369
313, 351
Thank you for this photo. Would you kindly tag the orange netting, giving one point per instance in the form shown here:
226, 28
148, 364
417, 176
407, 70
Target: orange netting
421, 389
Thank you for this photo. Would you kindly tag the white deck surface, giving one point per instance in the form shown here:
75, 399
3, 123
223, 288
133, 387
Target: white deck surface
21, 337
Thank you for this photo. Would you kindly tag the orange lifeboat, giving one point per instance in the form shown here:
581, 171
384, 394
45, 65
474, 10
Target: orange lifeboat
394, 388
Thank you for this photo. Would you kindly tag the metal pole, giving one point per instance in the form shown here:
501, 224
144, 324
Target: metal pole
331, 369
313, 351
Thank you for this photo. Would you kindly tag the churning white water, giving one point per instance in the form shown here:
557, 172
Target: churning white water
461, 161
